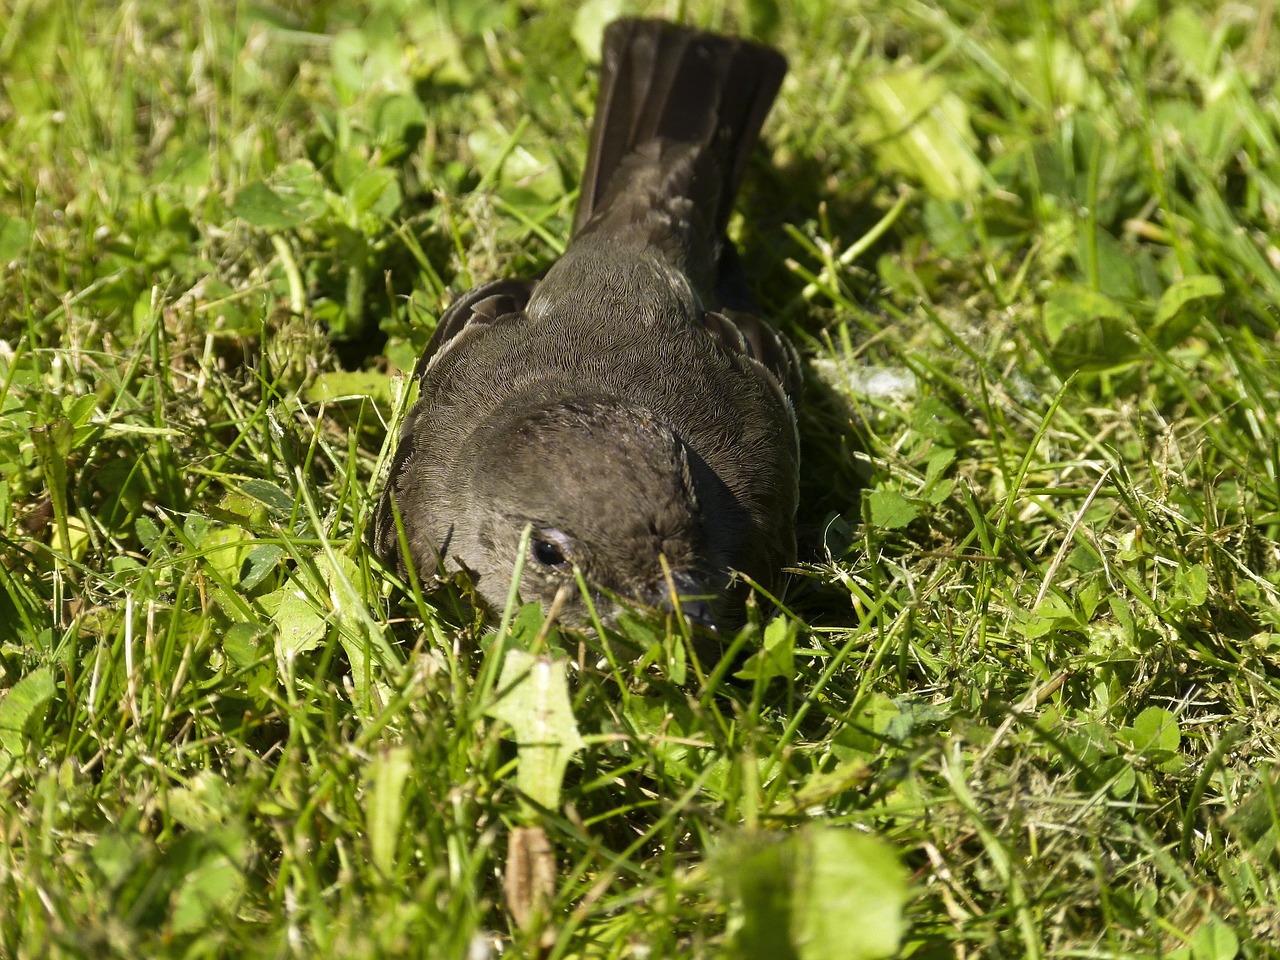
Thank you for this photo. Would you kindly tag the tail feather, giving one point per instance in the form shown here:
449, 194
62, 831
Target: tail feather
688, 102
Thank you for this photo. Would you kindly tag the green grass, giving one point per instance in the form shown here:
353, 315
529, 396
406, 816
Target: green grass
1030, 254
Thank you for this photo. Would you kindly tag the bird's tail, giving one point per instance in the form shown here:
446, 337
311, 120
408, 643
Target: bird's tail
678, 113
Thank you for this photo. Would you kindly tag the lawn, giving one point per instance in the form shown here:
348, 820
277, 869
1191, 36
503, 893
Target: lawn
1022, 698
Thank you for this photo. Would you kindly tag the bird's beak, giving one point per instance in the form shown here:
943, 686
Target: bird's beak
691, 598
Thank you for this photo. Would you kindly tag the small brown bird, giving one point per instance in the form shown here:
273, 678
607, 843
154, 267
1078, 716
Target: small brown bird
627, 405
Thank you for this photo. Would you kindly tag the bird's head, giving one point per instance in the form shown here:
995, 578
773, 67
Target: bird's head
604, 487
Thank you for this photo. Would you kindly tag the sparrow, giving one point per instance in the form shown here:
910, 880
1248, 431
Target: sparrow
627, 407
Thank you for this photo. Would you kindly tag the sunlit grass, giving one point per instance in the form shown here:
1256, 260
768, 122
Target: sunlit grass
1029, 255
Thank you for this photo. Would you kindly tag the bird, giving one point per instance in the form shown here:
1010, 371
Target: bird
627, 410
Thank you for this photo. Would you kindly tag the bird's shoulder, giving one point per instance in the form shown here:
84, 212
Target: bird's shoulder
480, 308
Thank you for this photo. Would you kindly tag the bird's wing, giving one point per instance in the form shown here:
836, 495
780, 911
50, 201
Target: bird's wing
476, 309
769, 353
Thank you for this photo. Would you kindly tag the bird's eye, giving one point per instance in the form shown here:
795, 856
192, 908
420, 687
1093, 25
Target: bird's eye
550, 550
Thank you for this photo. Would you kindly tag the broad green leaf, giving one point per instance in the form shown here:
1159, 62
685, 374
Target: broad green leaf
819, 789
1101, 343
385, 805
23, 706
15, 236
228, 312
340, 574
1088, 330
911, 714
1186, 291
374, 191
224, 549
260, 206
935, 421
258, 563
437, 48
189, 166
917, 127
368, 651
936, 488
1192, 585
849, 875
79, 409
249, 649
237, 508
244, 645
149, 533
1214, 941
1156, 729
278, 502
890, 510
865, 729
1183, 305
207, 893
115, 854
1052, 613
1210, 132
1117, 267
1074, 304
1119, 775
399, 120
294, 196
194, 527
347, 52
299, 625
534, 701
758, 875
776, 656
525, 168
526, 626
338, 384
819, 893
948, 228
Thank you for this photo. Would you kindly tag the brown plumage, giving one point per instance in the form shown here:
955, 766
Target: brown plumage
627, 405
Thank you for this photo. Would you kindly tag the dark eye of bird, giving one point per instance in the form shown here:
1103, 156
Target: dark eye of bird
549, 553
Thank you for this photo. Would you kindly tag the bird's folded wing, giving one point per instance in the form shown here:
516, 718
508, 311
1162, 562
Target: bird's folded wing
476, 309
769, 352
